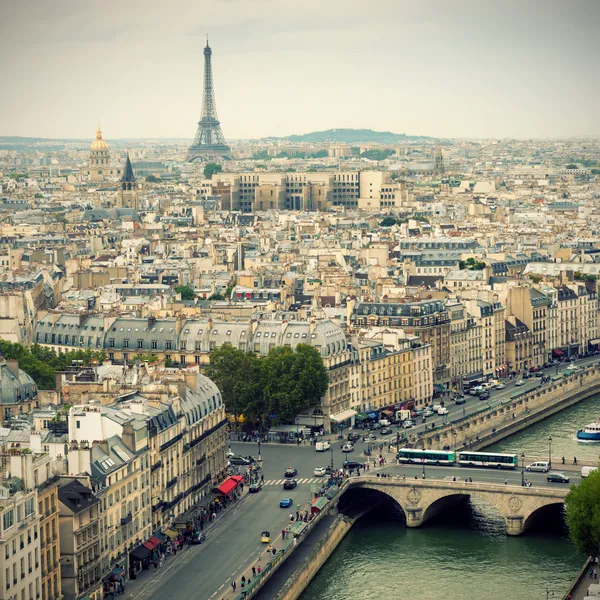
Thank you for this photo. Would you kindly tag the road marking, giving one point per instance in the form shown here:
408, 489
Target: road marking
222, 586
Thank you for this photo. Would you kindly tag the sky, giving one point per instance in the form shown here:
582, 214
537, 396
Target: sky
449, 68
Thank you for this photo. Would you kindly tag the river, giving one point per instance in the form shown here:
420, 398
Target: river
465, 554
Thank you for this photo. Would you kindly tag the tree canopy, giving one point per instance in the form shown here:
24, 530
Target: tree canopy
271, 389
471, 264
211, 169
187, 293
583, 514
42, 363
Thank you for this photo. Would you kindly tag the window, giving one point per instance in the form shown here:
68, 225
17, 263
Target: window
140, 344
168, 345
78, 424
153, 345
8, 519
125, 343
111, 343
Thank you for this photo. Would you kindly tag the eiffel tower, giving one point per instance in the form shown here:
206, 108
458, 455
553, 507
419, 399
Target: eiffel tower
209, 140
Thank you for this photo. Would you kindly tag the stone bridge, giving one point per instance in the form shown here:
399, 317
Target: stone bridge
421, 499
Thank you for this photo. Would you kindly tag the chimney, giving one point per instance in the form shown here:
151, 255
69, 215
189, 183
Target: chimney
102, 444
13, 366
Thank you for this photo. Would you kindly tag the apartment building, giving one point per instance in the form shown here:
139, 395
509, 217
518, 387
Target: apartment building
519, 346
466, 365
80, 541
22, 475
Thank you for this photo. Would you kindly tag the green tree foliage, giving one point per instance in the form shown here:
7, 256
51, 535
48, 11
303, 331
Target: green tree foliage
471, 264
262, 155
187, 293
212, 169
145, 357
152, 179
377, 154
216, 296
571, 166
42, 363
276, 387
388, 221
583, 514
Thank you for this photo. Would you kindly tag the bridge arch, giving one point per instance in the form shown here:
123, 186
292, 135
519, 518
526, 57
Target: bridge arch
540, 511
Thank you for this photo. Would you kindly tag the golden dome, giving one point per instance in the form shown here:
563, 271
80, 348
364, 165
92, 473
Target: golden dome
99, 143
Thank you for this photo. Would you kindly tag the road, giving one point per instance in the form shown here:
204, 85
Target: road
207, 570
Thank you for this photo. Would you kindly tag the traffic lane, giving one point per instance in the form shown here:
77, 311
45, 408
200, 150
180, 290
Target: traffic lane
227, 548
276, 458
481, 474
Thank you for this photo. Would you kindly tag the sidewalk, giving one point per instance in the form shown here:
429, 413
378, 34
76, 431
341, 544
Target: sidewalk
147, 581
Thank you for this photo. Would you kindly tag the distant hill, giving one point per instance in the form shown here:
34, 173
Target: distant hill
350, 136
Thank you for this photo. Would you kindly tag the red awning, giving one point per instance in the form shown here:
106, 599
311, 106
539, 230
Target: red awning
152, 543
229, 484
557, 352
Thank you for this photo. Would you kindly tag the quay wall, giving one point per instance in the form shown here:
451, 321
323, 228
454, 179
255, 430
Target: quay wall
303, 574
496, 420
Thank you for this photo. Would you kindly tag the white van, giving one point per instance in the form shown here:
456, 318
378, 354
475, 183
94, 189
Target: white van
322, 446
384, 422
541, 466
594, 590
585, 471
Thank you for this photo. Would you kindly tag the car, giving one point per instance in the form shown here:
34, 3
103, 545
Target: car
437, 407
500, 386
474, 391
291, 472
374, 426
254, 488
197, 537
556, 477
320, 471
539, 374
520, 382
541, 466
230, 454
428, 412
371, 437
290, 484
460, 400
240, 461
265, 537
408, 424
484, 396
353, 437
285, 503
442, 410
386, 431
352, 464
347, 448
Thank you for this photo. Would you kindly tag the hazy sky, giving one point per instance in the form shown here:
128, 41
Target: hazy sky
449, 68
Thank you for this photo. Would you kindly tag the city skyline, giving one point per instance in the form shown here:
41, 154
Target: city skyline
478, 71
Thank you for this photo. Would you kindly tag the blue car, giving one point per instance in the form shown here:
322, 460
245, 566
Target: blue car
285, 503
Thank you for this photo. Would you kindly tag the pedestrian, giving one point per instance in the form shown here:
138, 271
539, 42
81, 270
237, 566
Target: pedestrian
595, 573
591, 572
283, 534
258, 570
506, 481
274, 551
233, 586
253, 571
574, 460
563, 460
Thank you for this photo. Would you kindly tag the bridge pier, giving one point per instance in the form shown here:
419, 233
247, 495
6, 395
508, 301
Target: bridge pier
414, 517
514, 525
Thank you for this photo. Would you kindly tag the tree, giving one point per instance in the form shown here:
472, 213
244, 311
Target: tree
388, 222
293, 380
216, 296
583, 514
570, 166
212, 169
187, 293
152, 179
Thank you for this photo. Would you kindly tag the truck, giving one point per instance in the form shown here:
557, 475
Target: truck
402, 415
322, 446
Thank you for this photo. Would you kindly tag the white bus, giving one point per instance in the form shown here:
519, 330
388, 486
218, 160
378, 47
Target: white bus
435, 457
488, 459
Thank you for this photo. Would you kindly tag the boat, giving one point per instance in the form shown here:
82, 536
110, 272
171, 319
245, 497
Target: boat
590, 432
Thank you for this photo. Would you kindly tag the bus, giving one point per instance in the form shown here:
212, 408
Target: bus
435, 457
487, 459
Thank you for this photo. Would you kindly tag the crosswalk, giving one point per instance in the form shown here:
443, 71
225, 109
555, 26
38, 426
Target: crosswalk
281, 481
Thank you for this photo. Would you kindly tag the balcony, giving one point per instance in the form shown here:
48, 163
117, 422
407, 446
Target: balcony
126, 520
172, 482
201, 460
172, 442
155, 466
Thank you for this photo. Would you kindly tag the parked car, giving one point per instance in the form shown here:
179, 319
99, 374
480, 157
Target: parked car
541, 466
520, 382
539, 374
253, 488
291, 472
500, 386
290, 484
484, 396
408, 424
285, 503
320, 471
428, 412
353, 437
442, 410
556, 477
386, 431
240, 461
474, 391
198, 537
352, 464
437, 407
347, 447
374, 426
371, 437
229, 454
460, 400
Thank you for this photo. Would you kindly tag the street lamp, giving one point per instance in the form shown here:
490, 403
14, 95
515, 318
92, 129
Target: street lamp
454, 435
331, 453
423, 463
549, 452
522, 469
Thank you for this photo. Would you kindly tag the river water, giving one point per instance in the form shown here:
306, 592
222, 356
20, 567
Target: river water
465, 554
